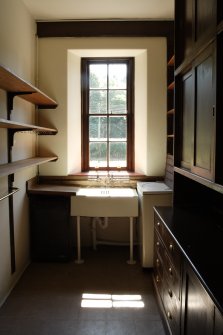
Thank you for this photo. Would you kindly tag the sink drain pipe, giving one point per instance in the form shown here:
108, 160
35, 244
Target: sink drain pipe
103, 223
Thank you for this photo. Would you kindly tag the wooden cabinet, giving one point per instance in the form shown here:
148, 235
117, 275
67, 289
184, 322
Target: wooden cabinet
218, 323
196, 105
51, 229
188, 302
167, 275
196, 26
197, 306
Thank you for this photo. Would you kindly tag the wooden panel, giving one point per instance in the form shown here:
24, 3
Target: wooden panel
187, 120
51, 228
205, 17
199, 309
205, 114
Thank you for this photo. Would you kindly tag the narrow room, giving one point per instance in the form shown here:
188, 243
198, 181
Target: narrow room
111, 167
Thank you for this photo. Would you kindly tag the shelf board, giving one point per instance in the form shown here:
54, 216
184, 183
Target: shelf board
26, 127
10, 168
171, 61
12, 83
171, 111
171, 86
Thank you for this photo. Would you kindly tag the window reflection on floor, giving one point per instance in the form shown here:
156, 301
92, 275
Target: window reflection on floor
91, 300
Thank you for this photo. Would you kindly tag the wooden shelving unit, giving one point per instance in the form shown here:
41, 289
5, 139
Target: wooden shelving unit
17, 87
170, 107
170, 122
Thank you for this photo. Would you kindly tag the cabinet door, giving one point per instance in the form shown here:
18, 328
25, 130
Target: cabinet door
218, 326
204, 138
195, 24
198, 309
50, 226
205, 18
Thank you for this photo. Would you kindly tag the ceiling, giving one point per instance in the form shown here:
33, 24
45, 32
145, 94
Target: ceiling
54, 10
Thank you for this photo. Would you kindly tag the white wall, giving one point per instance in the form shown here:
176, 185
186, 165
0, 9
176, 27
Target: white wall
18, 50
59, 75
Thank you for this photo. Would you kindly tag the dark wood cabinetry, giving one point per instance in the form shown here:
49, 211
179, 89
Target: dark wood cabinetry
194, 28
196, 105
198, 308
218, 324
167, 275
186, 279
52, 232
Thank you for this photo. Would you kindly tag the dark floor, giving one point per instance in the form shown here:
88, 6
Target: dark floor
47, 299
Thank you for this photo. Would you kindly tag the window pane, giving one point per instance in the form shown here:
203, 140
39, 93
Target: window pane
117, 128
97, 128
98, 154
98, 76
117, 76
98, 102
117, 154
117, 102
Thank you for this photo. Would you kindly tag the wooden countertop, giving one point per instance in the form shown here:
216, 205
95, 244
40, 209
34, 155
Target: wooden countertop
45, 189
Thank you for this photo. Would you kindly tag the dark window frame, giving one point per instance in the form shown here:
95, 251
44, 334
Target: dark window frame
85, 62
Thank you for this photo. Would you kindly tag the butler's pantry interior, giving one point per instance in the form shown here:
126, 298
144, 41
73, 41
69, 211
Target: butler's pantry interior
111, 182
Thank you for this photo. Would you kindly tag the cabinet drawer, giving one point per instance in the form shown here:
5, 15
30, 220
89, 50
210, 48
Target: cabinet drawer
169, 243
172, 309
158, 246
172, 279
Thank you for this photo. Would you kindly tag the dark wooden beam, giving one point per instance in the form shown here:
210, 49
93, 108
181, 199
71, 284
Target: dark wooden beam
105, 28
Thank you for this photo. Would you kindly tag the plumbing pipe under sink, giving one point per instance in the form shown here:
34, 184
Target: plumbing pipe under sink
115, 202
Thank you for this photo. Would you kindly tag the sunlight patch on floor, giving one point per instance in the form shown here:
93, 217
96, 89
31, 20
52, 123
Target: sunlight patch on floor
92, 300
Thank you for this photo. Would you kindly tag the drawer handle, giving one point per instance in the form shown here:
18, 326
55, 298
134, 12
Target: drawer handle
158, 223
158, 261
170, 271
157, 243
170, 293
171, 247
169, 315
157, 279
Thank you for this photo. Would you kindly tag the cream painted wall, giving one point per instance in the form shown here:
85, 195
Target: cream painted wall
58, 69
18, 53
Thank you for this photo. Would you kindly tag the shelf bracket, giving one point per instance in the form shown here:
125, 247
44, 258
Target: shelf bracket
10, 98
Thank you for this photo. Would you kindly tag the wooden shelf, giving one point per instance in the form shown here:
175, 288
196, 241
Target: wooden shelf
171, 61
171, 86
171, 112
12, 83
26, 127
10, 168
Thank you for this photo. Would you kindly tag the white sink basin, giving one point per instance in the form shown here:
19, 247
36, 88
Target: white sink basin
105, 202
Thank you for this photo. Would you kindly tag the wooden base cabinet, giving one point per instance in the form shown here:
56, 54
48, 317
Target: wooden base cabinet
52, 234
197, 306
218, 324
185, 303
167, 275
